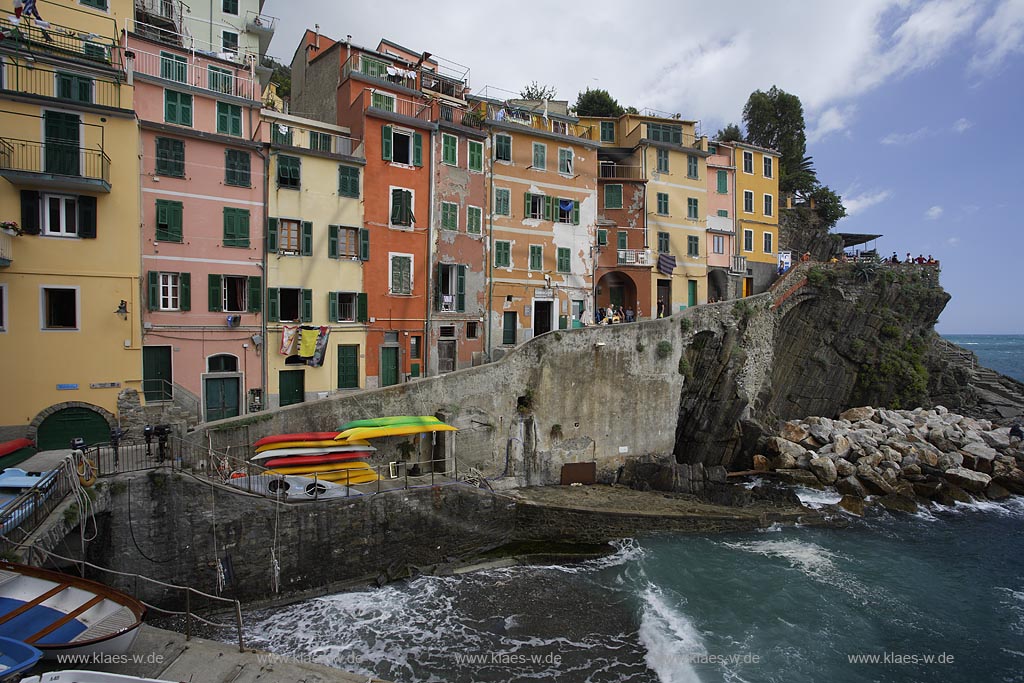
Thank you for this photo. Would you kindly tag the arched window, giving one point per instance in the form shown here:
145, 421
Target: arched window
222, 363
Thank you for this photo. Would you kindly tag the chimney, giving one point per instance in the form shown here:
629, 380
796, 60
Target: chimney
316, 42
348, 44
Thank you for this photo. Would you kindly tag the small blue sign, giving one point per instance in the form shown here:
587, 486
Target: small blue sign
66, 387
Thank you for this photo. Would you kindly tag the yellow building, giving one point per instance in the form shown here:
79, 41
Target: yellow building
316, 251
757, 212
69, 284
671, 157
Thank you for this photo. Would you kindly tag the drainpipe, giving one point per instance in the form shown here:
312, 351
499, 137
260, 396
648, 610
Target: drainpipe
490, 244
264, 369
430, 255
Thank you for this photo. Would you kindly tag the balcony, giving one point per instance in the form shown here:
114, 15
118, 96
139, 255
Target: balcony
383, 101
536, 119
60, 41
70, 156
439, 84
160, 20
379, 70
739, 265
6, 249
35, 79
283, 133
193, 70
460, 116
634, 257
620, 172
262, 25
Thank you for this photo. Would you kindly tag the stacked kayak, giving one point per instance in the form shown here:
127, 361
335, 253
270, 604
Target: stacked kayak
398, 425
317, 455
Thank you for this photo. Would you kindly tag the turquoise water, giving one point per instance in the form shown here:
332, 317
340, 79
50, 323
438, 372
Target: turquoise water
793, 605
1002, 352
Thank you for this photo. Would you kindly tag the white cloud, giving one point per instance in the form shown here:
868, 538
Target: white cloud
831, 120
906, 138
934, 213
861, 202
953, 241
999, 37
961, 125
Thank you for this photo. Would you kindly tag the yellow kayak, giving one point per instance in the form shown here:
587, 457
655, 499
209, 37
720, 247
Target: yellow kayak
396, 430
322, 468
311, 444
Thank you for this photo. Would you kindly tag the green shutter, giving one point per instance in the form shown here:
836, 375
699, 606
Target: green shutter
723, 182
602, 237
154, 290
86, 216
364, 244
437, 287
526, 204
476, 156
385, 143
548, 209
362, 314
307, 305
460, 289
623, 239
332, 241
273, 305
255, 283
332, 306
215, 295
272, 235
30, 212
575, 213
223, 123
306, 239
184, 291
417, 150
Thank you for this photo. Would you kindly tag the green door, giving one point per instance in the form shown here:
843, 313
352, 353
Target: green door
508, 328
691, 292
221, 397
156, 373
292, 386
348, 366
62, 138
57, 430
616, 295
388, 366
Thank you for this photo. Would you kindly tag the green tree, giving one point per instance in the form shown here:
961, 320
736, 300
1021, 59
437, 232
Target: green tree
597, 102
731, 133
775, 119
828, 205
536, 91
803, 179
282, 75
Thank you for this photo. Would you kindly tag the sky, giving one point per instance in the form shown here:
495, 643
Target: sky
911, 106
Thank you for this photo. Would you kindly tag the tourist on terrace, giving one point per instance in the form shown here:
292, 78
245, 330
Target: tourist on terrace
629, 314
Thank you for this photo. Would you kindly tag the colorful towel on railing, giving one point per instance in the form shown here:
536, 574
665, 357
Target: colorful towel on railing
288, 340
321, 348
307, 341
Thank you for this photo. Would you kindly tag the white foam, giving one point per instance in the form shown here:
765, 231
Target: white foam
1011, 507
1013, 600
808, 558
670, 638
773, 528
815, 498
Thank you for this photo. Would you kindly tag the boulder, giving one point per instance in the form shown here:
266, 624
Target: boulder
869, 460
895, 502
780, 446
1013, 481
803, 461
928, 456
886, 465
851, 486
824, 469
873, 481
980, 451
998, 439
857, 414
852, 504
927, 489
911, 470
890, 475
947, 460
890, 454
996, 492
844, 468
939, 438
841, 446
761, 463
783, 461
974, 482
798, 477
824, 435
794, 431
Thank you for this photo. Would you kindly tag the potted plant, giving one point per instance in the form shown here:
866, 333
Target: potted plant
11, 228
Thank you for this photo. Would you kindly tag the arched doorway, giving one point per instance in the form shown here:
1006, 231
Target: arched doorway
616, 289
718, 285
58, 425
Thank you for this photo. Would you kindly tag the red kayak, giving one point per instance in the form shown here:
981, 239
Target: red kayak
9, 447
325, 459
300, 436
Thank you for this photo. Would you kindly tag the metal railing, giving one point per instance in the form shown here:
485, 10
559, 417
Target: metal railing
384, 101
256, 22
532, 118
35, 79
192, 70
435, 82
635, 257
23, 515
285, 133
739, 264
379, 69
61, 40
621, 172
459, 115
6, 247
55, 157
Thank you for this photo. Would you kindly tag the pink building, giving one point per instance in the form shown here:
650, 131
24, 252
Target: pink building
723, 279
202, 229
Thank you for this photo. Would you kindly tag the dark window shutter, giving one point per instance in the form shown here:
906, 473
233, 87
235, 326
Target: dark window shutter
385, 143
526, 205
255, 283
362, 314
460, 289
332, 306
417, 150
306, 240
332, 241
548, 208
30, 212
272, 305
437, 287
185, 291
86, 216
216, 298
307, 305
575, 213
364, 244
396, 207
154, 290
272, 234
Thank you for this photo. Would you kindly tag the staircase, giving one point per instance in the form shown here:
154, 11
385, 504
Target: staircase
998, 397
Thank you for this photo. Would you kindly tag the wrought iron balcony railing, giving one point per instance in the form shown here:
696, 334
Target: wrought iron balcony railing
35, 79
193, 70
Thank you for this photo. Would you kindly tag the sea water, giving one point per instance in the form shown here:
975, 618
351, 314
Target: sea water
1002, 352
935, 596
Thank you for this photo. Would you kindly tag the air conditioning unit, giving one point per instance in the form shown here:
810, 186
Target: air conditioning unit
234, 320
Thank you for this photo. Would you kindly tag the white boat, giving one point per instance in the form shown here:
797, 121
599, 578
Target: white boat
291, 487
76, 676
62, 614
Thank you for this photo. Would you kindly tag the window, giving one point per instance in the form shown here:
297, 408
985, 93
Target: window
503, 147
607, 131
229, 119
560, 127
289, 305
168, 221
502, 201
236, 168
748, 240
60, 308
509, 323
170, 157
236, 289
319, 142
348, 366
713, 149
748, 201
401, 146
768, 204
289, 172
222, 362
663, 243
60, 215
767, 243
173, 67
748, 162
402, 208
230, 6
343, 306
287, 234
472, 330
692, 167
660, 132
564, 260
565, 161
219, 80
693, 246
540, 156
662, 160
400, 281
623, 239
415, 347
229, 39
536, 257
451, 289
723, 182
449, 149
75, 88
502, 254
568, 211
724, 213
449, 216
177, 108
280, 134
345, 242
535, 206
602, 237
613, 196
718, 244
476, 156
768, 167
236, 227
691, 208
98, 4
348, 181
474, 220
663, 203
94, 51
383, 100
